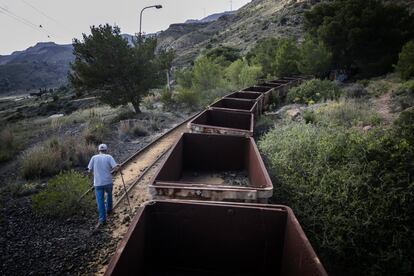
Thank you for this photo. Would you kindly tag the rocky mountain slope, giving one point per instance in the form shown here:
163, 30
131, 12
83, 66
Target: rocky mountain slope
256, 20
44, 65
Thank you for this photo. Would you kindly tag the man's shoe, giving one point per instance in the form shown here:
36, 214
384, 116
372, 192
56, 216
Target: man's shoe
99, 226
109, 212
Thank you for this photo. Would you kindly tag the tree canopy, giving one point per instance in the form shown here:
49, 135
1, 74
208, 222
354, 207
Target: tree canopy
405, 63
109, 67
363, 36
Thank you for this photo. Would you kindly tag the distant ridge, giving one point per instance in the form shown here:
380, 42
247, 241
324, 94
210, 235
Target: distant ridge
210, 18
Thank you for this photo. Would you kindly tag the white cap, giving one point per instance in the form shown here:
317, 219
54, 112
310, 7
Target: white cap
102, 147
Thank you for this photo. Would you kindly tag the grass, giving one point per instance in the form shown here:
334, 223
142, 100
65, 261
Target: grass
54, 156
8, 145
131, 128
61, 197
346, 112
377, 88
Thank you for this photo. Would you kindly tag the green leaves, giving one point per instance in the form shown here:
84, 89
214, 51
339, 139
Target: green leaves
61, 196
315, 59
313, 91
364, 36
352, 191
106, 65
405, 63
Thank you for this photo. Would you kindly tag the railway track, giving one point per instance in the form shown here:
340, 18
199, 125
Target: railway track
141, 166
138, 170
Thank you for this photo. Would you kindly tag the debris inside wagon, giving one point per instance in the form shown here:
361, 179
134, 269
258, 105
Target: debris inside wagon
228, 178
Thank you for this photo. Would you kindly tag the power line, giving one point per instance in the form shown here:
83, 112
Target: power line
44, 14
23, 20
18, 19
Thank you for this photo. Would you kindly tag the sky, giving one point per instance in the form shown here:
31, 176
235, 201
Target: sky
26, 22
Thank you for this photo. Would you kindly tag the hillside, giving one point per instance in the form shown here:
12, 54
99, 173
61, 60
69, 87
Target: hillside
44, 65
256, 20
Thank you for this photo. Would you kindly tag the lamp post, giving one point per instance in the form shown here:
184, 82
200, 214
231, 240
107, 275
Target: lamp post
140, 18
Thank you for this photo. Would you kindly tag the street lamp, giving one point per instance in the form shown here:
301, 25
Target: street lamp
140, 17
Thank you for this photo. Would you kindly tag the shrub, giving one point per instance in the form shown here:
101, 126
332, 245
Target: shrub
355, 91
207, 74
286, 59
8, 145
352, 192
188, 98
313, 91
406, 61
131, 128
149, 101
55, 155
404, 97
241, 74
95, 131
263, 125
166, 98
347, 113
184, 77
377, 88
61, 196
123, 114
315, 58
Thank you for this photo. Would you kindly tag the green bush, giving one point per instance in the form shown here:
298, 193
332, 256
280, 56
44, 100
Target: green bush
240, 74
8, 145
347, 113
187, 97
55, 155
207, 74
313, 91
315, 58
406, 61
404, 97
131, 128
123, 113
61, 196
286, 59
263, 125
95, 131
377, 88
166, 98
352, 191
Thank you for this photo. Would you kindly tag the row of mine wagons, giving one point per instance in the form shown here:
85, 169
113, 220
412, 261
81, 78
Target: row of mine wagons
235, 113
208, 216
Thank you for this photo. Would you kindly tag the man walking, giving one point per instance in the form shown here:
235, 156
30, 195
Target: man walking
101, 165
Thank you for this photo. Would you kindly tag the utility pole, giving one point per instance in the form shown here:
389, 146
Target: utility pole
231, 5
140, 19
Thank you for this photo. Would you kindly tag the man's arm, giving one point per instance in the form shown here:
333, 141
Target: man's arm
115, 167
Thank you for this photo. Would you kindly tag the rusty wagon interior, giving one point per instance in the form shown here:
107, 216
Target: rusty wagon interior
209, 159
224, 119
238, 104
186, 238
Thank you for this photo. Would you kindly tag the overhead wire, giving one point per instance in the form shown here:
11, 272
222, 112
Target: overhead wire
44, 14
28, 23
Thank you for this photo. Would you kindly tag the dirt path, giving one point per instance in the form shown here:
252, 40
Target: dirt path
382, 104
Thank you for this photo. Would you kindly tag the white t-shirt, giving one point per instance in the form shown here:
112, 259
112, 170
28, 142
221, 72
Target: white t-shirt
101, 165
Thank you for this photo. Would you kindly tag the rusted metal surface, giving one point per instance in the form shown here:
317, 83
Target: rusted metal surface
280, 89
214, 238
207, 154
237, 105
265, 90
223, 122
147, 147
248, 95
